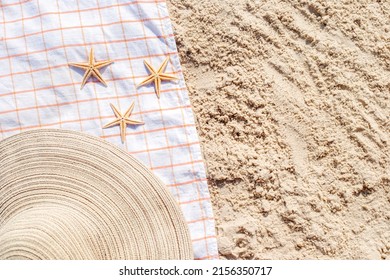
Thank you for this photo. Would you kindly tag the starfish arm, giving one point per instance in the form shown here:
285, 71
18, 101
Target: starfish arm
97, 74
87, 74
116, 111
157, 86
128, 112
167, 77
163, 65
128, 121
148, 80
84, 66
114, 122
123, 131
91, 58
150, 67
101, 64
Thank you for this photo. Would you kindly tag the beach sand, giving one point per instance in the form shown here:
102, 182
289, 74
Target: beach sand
292, 105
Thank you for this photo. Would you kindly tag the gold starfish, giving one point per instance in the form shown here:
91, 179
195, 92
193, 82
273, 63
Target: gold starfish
157, 76
122, 120
91, 68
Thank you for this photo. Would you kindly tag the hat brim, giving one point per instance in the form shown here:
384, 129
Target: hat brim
68, 195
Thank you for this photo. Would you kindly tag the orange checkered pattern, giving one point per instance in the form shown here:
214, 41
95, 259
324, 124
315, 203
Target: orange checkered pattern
39, 38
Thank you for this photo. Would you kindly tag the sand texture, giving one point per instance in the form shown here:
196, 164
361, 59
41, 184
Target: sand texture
292, 105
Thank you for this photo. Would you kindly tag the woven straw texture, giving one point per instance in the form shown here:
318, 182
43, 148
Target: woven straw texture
67, 195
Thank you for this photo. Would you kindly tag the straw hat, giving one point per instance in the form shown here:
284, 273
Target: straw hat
67, 195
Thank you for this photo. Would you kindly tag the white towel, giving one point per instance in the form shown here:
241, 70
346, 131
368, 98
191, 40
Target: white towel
38, 89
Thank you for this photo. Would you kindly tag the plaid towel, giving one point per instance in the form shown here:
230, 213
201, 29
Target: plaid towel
38, 89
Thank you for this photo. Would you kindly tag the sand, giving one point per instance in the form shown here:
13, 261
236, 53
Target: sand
292, 106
